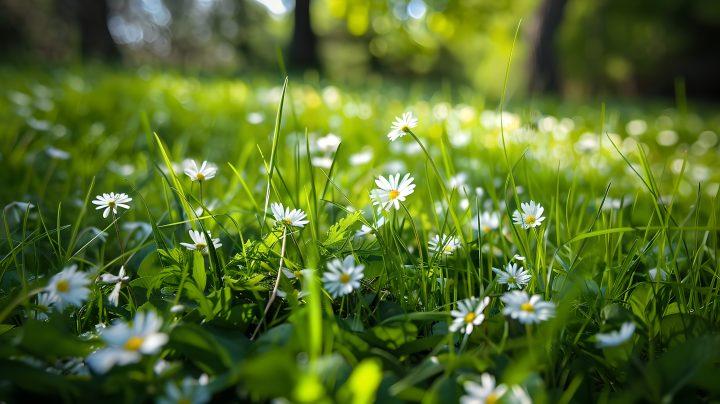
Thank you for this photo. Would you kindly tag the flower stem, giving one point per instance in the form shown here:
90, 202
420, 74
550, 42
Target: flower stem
277, 283
17, 301
117, 231
463, 345
201, 198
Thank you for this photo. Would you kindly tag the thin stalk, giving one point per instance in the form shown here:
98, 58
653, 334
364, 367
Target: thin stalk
277, 283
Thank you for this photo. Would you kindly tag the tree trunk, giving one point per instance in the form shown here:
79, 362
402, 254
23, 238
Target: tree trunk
543, 76
303, 50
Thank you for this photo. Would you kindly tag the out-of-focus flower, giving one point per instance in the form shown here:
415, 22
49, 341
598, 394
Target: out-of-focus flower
342, 277
468, 315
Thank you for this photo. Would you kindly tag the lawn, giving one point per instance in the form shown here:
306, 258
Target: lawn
496, 249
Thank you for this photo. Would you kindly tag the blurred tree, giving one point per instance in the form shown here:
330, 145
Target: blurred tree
302, 49
91, 18
542, 66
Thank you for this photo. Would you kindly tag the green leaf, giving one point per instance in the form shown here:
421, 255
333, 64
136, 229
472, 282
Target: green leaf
339, 231
362, 386
200, 347
198, 268
391, 337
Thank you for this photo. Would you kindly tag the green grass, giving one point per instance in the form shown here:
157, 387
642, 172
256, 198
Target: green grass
616, 205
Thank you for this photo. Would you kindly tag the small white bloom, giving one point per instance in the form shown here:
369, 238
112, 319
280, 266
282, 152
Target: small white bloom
392, 191
513, 275
653, 274
519, 305
615, 338
296, 293
519, 258
531, 215
128, 343
447, 245
342, 277
299, 274
72, 366
468, 315
160, 366
118, 280
203, 174
283, 216
402, 126
365, 230
111, 201
44, 301
178, 308
488, 222
192, 392
329, 142
68, 287
322, 162
485, 393
201, 243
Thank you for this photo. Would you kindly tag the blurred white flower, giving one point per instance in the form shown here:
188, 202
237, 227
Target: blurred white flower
322, 162
296, 293
447, 245
128, 343
513, 275
531, 215
392, 191
364, 157
192, 392
111, 201
402, 126
615, 338
68, 287
329, 142
468, 315
44, 301
118, 280
288, 218
200, 241
485, 393
365, 230
519, 305
488, 222
203, 174
342, 277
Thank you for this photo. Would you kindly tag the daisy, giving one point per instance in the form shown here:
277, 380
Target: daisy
365, 230
447, 245
488, 222
192, 392
299, 274
128, 343
68, 287
42, 307
485, 393
329, 142
402, 126
200, 241
615, 338
296, 293
343, 276
519, 305
468, 315
392, 191
203, 174
513, 275
118, 280
111, 201
531, 215
287, 217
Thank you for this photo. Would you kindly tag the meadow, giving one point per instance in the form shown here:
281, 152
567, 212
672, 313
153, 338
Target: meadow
489, 250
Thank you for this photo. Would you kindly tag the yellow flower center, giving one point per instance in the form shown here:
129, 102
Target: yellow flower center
200, 247
448, 248
487, 229
200, 177
111, 204
287, 221
298, 274
512, 280
133, 343
63, 286
530, 219
469, 318
491, 399
393, 194
344, 278
528, 307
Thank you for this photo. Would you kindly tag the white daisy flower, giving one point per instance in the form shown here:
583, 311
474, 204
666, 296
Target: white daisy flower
329, 142
200, 241
519, 305
68, 287
44, 301
615, 338
342, 277
402, 126
192, 392
128, 343
203, 174
118, 280
468, 315
296, 293
286, 217
653, 274
488, 222
392, 191
513, 275
485, 393
111, 201
72, 366
531, 215
519, 258
447, 245
365, 230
